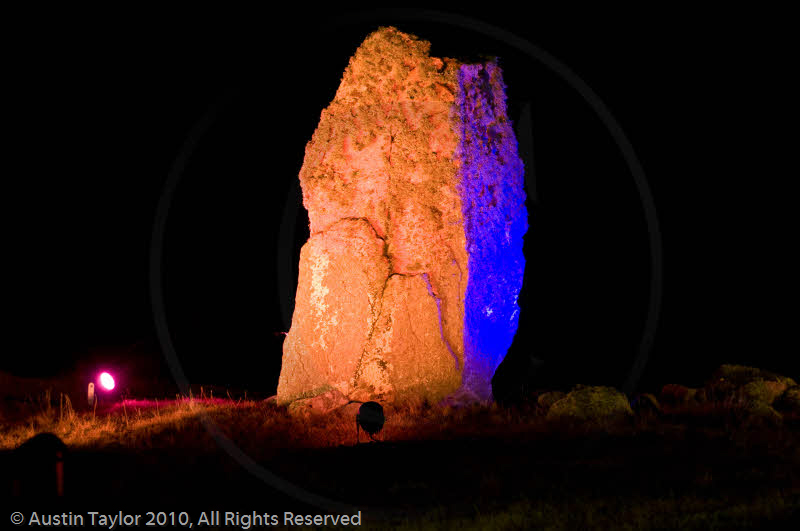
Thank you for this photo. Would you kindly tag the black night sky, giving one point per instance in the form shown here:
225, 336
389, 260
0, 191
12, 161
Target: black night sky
96, 119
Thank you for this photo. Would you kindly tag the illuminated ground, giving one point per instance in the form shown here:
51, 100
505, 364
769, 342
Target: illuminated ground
484, 467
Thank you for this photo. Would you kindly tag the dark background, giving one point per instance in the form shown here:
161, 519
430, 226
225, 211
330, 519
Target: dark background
95, 119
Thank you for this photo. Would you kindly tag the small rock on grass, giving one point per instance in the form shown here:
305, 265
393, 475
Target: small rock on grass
591, 404
747, 384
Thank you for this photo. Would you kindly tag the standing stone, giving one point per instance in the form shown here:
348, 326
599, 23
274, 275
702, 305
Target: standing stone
408, 283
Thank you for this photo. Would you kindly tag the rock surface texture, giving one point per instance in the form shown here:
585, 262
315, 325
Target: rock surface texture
408, 283
591, 403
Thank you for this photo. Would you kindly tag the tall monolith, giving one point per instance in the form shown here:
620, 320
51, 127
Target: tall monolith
408, 283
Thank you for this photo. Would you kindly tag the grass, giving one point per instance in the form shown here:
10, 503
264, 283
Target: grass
636, 512
140, 423
699, 466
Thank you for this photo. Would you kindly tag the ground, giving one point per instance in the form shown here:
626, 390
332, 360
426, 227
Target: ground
700, 466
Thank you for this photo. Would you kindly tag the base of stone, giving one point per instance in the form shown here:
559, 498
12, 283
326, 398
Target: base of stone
464, 398
322, 404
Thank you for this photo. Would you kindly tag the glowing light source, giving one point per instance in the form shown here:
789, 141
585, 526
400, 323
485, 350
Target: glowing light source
107, 381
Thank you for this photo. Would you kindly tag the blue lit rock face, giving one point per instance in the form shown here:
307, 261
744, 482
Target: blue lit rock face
495, 221
408, 284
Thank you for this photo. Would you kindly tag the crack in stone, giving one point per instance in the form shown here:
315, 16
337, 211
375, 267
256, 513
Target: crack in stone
389, 202
376, 316
439, 310
385, 241
350, 218
379, 302
455, 261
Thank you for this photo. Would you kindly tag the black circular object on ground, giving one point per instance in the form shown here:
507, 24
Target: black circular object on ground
370, 417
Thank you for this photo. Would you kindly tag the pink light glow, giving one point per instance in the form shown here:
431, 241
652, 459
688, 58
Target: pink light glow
107, 381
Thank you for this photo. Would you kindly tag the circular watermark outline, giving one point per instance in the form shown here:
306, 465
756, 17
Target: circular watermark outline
464, 22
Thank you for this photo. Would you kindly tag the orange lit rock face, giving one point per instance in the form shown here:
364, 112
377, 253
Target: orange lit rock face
379, 310
342, 276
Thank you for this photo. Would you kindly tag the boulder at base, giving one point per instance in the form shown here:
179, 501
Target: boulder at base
591, 404
738, 384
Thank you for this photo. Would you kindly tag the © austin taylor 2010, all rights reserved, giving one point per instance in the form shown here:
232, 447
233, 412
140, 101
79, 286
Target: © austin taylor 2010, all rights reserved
182, 519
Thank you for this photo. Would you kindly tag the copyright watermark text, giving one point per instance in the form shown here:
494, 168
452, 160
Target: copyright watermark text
214, 519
